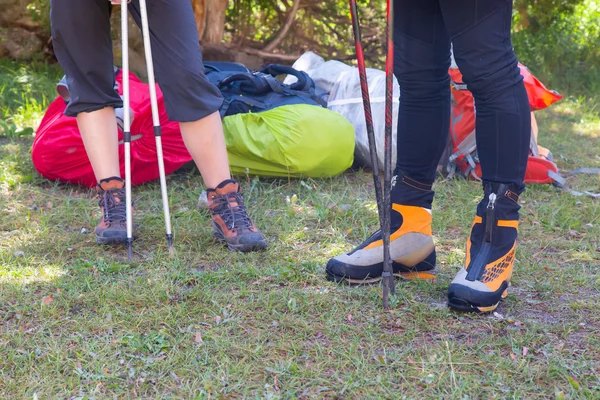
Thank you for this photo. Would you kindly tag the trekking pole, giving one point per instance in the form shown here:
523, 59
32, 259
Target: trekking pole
388, 274
360, 57
126, 126
156, 124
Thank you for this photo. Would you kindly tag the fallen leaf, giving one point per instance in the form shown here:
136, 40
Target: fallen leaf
575, 234
429, 379
525, 351
47, 300
349, 318
349, 231
276, 383
513, 357
574, 382
410, 361
547, 269
198, 338
218, 319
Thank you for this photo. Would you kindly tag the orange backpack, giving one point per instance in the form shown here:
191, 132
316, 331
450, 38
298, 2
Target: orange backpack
461, 155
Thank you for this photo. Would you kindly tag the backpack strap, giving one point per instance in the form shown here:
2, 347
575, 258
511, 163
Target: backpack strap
244, 99
303, 83
273, 83
249, 83
466, 147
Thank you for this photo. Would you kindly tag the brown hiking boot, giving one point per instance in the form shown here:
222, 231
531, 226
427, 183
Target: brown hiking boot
111, 199
231, 223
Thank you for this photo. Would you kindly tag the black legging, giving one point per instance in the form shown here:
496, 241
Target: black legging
479, 31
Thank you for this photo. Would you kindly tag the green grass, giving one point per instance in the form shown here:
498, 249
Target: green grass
25, 90
77, 321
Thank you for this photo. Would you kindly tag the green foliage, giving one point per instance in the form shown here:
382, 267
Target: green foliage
11, 130
39, 10
24, 97
562, 49
321, 26
537, 15
558, 39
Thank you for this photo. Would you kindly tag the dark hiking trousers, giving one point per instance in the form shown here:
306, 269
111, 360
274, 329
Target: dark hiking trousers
82, 43
479, 31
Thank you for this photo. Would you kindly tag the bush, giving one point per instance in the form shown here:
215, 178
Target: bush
562, 48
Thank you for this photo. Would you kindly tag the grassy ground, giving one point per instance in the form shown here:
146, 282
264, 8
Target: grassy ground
76, 321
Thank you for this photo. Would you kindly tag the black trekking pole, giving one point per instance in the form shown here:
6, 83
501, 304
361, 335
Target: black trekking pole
382, 207
388, 274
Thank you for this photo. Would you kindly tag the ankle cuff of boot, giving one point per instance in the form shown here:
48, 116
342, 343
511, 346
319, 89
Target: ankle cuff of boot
413, 183
411, 192
112, 178
510, 191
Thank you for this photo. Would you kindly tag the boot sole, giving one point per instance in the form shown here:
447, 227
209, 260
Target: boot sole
461, 305
102, 240
243, 248
412, 275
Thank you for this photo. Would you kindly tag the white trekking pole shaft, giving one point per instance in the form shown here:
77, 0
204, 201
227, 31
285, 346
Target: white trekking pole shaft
126, 125
156, 123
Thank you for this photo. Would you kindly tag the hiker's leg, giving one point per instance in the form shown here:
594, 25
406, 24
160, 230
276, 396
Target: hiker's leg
189, 97
484, 54
193, 101
82, 44
483, 51
205, 141
422, 58
421, 62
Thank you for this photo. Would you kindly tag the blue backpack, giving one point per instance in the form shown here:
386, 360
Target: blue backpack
247, 91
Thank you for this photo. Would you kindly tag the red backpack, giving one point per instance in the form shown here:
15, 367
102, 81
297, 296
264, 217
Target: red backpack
58, 152
461, 156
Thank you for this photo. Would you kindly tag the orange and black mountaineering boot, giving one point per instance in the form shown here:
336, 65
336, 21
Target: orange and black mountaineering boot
411, 243
490, 254
231, 223
111, 199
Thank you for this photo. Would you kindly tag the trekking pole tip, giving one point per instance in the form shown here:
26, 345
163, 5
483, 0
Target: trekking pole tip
386, 301
170, 244
130, 249
388, 286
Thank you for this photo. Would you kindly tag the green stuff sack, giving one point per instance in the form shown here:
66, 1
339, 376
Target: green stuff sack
298, 140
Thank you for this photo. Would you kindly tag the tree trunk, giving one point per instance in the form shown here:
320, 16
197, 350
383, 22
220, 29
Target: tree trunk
210, 19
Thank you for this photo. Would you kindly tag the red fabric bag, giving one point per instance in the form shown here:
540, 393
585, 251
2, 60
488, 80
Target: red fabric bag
463, 153
58, 152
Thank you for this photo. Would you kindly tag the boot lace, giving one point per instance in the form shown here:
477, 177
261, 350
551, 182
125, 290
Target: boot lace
114, 205
235, 216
